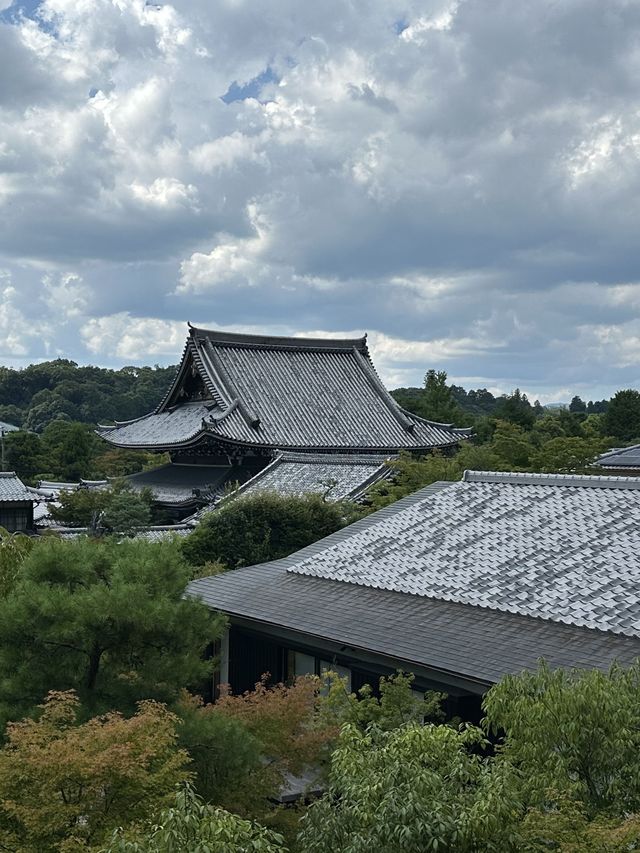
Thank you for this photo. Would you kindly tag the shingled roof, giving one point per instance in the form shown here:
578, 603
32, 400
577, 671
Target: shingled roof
477, 578
281, 393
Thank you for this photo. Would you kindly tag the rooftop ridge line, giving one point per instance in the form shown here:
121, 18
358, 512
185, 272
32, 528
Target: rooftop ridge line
243, 339
570, 480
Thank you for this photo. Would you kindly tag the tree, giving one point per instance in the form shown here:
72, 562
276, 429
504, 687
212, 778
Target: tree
438, 403
70, 447
64, 785
190, 826
511, 446
23, 453
413, 789
568, 455
263, 527
622, 418
516, 409
577, 405
572, 733
106, 619
14, 548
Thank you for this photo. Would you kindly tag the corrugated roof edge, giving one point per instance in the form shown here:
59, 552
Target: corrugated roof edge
581, 480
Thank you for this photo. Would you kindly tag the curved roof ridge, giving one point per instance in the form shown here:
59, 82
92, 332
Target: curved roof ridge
277, 341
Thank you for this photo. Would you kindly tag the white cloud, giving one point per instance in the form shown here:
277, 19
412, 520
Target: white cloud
461, 178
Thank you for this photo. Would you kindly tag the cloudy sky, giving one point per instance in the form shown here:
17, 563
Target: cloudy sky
459, 179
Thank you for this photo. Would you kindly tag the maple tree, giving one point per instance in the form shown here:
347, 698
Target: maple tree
65, 785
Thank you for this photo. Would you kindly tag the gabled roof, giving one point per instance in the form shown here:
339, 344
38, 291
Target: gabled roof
337, 476
12, 488
174, 484
481, 639
5, 427
621, 457
281, 393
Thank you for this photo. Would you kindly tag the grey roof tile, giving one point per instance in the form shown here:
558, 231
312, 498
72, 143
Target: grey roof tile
337, 476
287, 393
556, 547
621, 457
12, 488
478, 643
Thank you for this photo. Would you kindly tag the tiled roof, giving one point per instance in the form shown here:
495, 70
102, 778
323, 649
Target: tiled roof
337, 476
621, 457
5, 427
481, 643
477, 643
164, 534
12, 488
287, 393
179, 484
176, 427
559, 547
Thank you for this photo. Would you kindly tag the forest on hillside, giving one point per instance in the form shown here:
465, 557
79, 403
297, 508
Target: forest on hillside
62, 390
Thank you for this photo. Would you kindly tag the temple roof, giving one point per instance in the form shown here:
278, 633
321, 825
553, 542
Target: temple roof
335, 475
286, 393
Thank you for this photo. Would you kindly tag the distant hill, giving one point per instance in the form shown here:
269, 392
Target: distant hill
60, 389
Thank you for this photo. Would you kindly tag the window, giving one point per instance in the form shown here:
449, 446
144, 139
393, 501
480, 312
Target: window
342, 671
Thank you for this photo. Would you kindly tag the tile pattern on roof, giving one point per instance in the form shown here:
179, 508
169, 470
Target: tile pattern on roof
337, 476
12, 488
285, 393
6, 427
569, 553
176, 427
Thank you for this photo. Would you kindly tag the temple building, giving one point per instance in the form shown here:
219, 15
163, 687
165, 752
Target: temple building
294, 415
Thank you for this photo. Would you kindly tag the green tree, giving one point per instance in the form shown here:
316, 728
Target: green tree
438, 403
64, 785
23, 453
106, 619
14, 548
516, 409
70, 447
413, 789
567, 455
190, 826
510, 444
573, 733
622, 418
577, 405
117, 509
263, 527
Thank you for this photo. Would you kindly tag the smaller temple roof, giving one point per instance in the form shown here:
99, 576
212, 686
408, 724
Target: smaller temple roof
183, 484
5, 427
300, 394
337, 476
13, 489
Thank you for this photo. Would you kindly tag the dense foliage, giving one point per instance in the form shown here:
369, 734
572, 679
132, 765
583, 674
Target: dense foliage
115, 509
262, 527
414, 789
192, 826
104, 618
64, 785
61, 390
